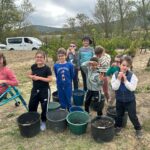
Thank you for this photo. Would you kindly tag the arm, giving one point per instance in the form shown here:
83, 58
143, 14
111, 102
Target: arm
115, 82
92, 51
84, 66
99, 79
11, 78
45, 79
109, 72
132, 84
55, 71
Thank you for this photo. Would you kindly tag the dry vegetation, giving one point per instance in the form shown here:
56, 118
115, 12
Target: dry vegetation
10, 138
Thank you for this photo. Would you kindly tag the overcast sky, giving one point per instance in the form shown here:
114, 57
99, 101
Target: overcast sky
54, 13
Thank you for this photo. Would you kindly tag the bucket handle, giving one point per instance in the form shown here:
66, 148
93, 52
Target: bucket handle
101, 127
26, 124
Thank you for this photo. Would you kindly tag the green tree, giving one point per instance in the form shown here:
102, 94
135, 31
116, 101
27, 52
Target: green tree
104, 15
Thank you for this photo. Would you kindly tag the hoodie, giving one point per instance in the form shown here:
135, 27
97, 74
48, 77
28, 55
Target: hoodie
93, 81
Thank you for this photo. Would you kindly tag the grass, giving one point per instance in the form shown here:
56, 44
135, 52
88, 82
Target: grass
10, 138
146, 125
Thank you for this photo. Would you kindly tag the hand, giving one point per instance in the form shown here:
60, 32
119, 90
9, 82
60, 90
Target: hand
120, 75
101, 76
124, 77
2, 81
93, 63
35, 78
113, 64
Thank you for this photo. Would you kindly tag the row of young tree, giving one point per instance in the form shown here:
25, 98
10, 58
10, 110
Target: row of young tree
116, 24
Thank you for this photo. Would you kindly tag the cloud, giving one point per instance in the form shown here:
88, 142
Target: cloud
55, 12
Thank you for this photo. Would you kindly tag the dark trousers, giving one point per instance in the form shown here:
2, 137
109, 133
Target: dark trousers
84, 80
97, 100
75, 79
42, 96
130, 107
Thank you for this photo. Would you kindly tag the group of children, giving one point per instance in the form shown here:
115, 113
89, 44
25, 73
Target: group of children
95, 69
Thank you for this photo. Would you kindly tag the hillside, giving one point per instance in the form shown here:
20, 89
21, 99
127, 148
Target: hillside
45, 29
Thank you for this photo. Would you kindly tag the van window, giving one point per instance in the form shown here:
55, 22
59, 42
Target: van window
26, 40
15, 41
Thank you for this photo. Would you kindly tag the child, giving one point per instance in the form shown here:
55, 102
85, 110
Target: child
104, 63
64, 72
114, 67
41, 75
85, 54
124, 83
6, 76
94, 84
72, 57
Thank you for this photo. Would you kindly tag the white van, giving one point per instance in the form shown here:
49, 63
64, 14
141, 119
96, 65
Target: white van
23, 43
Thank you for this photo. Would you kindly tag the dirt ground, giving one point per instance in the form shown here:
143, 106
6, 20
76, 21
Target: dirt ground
10, 138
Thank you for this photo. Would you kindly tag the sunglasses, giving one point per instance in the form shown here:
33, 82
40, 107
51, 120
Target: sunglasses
72, 46
39, 57
117, 61
61, 55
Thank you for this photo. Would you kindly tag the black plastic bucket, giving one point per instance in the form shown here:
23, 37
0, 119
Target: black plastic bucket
29, 124
100, 131
55, 96
56, 120
111, 112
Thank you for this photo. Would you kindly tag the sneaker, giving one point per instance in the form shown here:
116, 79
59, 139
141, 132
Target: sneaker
138, 134
43, 126
117, 130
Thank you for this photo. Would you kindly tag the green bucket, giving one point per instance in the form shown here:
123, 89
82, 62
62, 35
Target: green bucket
53, 106
77, 122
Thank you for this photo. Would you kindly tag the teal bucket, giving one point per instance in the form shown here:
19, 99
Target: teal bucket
78, 97
75, 108
53, 106
77, 122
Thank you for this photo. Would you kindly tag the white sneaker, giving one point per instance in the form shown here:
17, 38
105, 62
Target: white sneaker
43, 126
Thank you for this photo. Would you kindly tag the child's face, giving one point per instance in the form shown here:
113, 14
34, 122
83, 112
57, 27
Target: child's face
72, 47
98, 55
39, 59
124, 66
117, 62
85, 43
94, 65
61, 58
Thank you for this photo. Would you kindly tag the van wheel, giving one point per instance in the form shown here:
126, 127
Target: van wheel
11, 49
34, 48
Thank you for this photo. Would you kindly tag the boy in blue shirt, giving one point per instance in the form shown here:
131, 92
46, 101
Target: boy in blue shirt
64, 72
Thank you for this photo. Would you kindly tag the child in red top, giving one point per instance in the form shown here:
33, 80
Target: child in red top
6, 75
